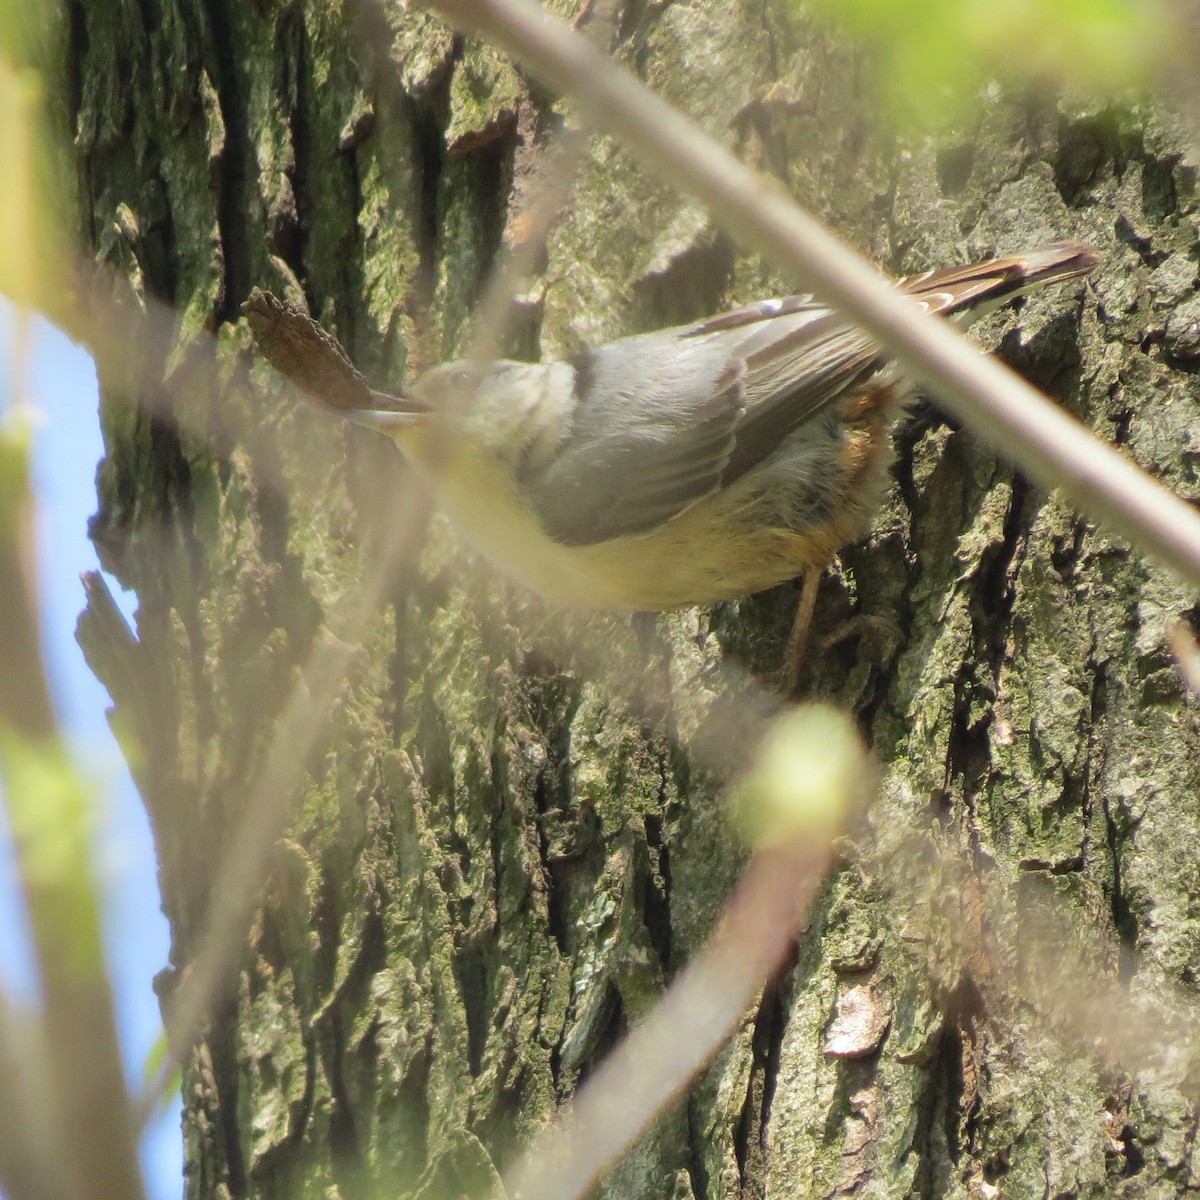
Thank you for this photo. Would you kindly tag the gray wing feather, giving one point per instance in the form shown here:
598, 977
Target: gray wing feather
666, 419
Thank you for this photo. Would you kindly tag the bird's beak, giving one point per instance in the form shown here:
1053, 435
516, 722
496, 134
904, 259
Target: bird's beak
392, 414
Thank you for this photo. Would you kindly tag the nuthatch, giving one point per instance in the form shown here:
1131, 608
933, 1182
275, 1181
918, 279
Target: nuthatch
689, 465
673, 468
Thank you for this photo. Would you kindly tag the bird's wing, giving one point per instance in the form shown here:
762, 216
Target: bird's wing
668, 418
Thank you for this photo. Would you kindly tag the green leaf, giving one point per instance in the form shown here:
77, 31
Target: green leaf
935, 57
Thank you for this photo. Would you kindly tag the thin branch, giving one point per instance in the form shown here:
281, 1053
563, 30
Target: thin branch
31, 1159
495, 311
684, 1029
1046, 443
237, 886
121, 329
94, 1127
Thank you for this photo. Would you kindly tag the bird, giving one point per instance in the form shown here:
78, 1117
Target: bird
689, 465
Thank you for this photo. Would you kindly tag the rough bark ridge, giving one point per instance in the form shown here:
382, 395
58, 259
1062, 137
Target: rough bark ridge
502, 854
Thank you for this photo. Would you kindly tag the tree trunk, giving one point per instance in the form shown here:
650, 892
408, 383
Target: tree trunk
505, 845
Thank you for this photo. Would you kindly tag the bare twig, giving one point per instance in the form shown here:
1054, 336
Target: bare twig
130, 329
683, 1030
237, 886
807, 776
496, 309
94, 1127
31, 1162
1053, 448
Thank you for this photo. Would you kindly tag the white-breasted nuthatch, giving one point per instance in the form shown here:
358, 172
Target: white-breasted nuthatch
684, 466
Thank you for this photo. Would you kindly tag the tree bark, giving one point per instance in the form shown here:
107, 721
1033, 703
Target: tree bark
507, 842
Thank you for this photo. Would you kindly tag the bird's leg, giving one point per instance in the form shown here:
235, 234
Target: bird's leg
793, 655
864, 624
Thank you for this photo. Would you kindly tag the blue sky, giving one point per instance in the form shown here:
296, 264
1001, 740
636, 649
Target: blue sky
62, 387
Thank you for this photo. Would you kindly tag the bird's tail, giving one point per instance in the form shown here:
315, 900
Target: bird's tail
965, 293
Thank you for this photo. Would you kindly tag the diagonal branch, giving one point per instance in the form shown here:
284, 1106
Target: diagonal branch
1051, 447
684, 1030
